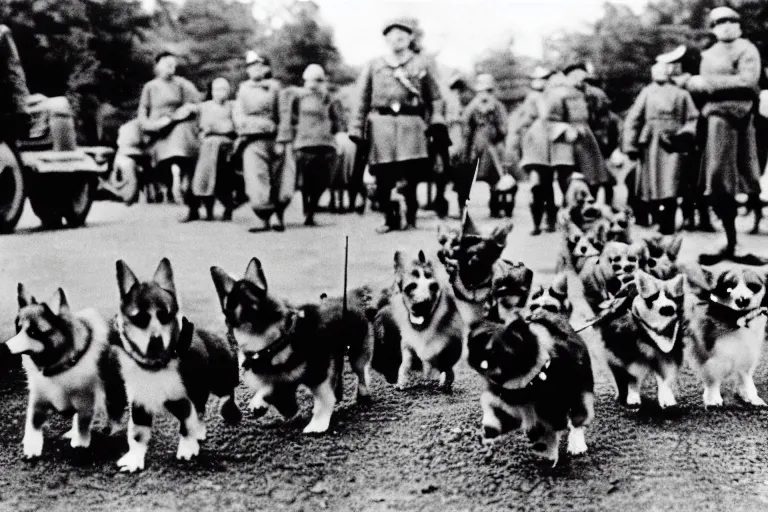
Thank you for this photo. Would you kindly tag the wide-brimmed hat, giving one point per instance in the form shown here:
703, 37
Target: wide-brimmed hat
253, 57
575, 64
403, 23
673, 56
721, 14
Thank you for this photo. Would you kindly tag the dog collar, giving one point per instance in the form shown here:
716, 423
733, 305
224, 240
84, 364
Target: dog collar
743, 317
177, 347
262, 359
68, 362
476, 295
537, 375
659, 339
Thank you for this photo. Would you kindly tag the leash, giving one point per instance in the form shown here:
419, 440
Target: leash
616, 306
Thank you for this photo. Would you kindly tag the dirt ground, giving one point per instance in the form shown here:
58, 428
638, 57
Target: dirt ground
406, 451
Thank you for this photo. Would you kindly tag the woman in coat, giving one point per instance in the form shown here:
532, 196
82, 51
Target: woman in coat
728, 80
661, 114
399, 101
167, 110
217, 131
256, 113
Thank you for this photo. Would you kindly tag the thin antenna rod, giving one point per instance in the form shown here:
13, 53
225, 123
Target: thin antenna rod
346, 271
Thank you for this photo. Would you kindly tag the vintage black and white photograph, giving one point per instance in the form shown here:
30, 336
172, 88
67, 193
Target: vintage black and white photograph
383, 255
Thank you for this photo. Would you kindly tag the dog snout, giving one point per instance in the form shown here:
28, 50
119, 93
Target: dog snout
421, 308
583, 250
667, 311
742, 302
155, 347
617, 268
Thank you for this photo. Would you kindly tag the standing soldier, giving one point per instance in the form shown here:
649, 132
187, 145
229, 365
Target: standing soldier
599, 120
485, 119
167, 110
399, 101
541, 173
256, 113
728, 79
461, 171
13, 84
312, 120
660, 126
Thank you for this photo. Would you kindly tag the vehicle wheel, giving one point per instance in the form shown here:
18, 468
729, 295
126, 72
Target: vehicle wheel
46, 195
12, 191
80, 201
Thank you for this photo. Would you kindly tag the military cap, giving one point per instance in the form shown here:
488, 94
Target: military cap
541, 73
253, 57
457, 81
673, 56
402, 23
720, 14
163, 54
314, 71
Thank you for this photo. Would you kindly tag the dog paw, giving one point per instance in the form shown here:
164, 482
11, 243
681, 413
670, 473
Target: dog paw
229, 411
401, 385
667, 399
201, 432
633, 399
317, 426
258, 407
78, 441
32, 444
131, 462
753, 400
188, 448
69, 434
577, 445
712, 400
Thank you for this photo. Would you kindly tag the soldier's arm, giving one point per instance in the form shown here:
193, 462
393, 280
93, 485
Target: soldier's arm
434, 99
501, 119
238, 113
338, 122
363, 106
285, 114
633, 123
16, 78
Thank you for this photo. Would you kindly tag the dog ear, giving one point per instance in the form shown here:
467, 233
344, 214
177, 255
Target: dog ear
399, 265
24, 298
59, 304
254, 274
126, 279
223, 283
674, 247
500, 233
560, 284
422, 257
646, 285
164, 276
676, 286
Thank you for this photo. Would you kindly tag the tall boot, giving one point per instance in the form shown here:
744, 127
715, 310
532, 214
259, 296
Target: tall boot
705, 220
493, 205
194, 206
536, 211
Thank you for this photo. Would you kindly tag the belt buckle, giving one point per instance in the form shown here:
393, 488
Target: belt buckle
395, 107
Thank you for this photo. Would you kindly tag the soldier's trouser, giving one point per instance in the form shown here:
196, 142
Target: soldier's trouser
543, 197
261, 181
665, 213
388, 176
314, 166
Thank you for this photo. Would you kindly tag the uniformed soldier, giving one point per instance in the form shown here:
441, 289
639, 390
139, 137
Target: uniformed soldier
728, 80
398, 102
659, 128
13, 91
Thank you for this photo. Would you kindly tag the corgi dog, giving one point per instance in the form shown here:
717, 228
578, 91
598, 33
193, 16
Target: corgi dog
727, 326
644, 335
538, 377
469, 257
617, 260
168, 364
282, 346
417, 325
553, 298
620, 225
581, 246
510, 289
662, 252
70, 367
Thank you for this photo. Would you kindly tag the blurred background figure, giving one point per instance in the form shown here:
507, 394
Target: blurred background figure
167, 110
659, 128
256, 113
311, 123
213, 172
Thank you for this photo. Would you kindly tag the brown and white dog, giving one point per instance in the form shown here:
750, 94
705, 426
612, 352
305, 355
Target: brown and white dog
661, 261
617, 261
418, 324
70, 367
727, 325
553, 298
282, 347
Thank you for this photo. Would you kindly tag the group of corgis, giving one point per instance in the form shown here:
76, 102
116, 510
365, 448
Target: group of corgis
649, 308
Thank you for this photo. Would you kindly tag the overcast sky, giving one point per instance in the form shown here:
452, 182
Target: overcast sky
460, 29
